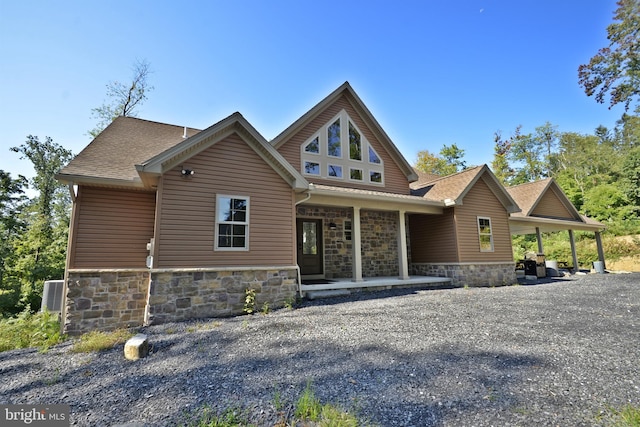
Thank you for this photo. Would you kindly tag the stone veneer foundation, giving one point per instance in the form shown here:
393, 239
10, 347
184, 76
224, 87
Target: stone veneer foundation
197, 293
106, 300
476, 275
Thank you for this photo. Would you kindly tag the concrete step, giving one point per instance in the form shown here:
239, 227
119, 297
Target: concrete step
327, 293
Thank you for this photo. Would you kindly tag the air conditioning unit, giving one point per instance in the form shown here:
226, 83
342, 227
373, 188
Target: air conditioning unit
52, 295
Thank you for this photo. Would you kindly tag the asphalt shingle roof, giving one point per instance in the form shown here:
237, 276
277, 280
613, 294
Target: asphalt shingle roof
127, 141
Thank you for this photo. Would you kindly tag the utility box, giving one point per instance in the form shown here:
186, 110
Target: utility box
52, 295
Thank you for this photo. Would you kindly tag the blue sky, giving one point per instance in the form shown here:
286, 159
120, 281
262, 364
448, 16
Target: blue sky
431, 72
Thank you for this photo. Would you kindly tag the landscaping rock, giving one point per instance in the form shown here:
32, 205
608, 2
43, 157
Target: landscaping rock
136, 347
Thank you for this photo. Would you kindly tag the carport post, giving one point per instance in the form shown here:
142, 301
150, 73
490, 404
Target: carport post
572, 240
600, 250
539, 239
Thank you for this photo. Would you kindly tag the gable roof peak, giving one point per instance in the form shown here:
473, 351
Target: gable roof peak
364, 113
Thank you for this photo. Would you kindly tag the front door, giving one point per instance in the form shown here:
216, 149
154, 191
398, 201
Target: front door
309, 236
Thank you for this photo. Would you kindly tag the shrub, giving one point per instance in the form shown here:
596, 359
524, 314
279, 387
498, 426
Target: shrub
40, 330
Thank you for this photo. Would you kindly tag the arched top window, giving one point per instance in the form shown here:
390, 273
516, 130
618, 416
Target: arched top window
340, 151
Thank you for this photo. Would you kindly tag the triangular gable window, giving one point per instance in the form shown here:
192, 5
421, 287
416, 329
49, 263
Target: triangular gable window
325, 156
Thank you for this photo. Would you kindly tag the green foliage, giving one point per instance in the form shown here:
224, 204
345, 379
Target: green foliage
308, 406
606, 202
98, 340
249, 301
40, 330
615, 70
629, 416
34, 239
308, 411
449, 161
228, 418
631, 176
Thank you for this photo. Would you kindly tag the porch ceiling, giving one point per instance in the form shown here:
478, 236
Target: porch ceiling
528, 225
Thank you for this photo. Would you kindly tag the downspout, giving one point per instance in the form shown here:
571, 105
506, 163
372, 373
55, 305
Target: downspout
297, 266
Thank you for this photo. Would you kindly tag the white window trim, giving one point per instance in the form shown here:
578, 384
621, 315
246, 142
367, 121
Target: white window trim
245, 223
324, 159
480, 234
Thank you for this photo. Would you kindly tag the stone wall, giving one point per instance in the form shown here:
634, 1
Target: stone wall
379, 240
490, 274
105, 300
197, 293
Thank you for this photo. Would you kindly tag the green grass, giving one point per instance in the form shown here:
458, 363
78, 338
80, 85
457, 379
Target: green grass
41, 330
308, 410
629, 416
98, 340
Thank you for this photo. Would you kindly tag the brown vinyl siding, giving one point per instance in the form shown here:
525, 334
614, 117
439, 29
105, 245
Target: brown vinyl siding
480, 201
433, 238
550, 206
394, 180
111, 228
186, 223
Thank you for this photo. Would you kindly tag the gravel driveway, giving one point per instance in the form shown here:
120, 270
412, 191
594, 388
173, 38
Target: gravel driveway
564, 353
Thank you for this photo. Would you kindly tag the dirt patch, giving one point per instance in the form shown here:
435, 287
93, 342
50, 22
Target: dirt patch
629, 263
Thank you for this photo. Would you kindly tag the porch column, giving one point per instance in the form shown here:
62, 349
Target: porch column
600, 250
539, 239
403, 262
574, 255
357, 246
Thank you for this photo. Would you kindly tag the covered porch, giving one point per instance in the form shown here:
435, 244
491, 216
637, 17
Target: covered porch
355, 236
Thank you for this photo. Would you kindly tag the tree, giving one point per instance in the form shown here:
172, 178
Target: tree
615, 70
448, 162
631, 177
11, 198
39, 250
124, 98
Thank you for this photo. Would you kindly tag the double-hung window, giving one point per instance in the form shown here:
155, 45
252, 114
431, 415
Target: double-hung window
485, 234
232, 223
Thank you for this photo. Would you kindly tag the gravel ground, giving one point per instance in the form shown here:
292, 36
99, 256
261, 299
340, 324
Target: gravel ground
564, 353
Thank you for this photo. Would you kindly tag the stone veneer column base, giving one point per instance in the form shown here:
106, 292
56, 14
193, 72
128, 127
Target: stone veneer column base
181, 294
470, 274
105, 300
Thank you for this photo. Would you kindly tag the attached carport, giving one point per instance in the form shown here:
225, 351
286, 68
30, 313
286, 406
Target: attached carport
546, 209
537, 225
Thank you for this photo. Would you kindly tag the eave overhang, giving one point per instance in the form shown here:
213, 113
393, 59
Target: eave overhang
368, 199
528, 224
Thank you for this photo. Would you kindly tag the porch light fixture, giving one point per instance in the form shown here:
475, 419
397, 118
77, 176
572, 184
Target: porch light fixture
332, 226
187, 172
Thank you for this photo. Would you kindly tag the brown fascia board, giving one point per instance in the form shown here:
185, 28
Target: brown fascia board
100, 182
365, 114
235, 123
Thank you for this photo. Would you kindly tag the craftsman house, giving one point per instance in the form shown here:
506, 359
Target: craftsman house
171, 223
